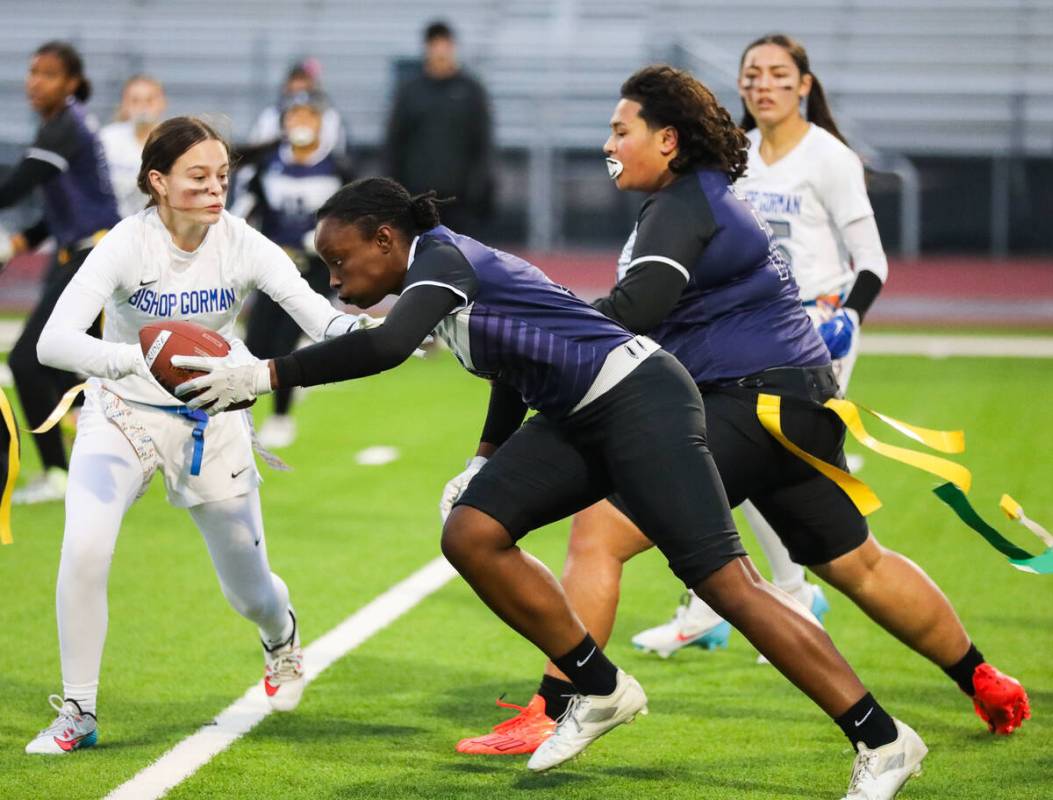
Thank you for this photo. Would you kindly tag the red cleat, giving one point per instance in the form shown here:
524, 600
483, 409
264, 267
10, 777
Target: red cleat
521, 734
1000, 700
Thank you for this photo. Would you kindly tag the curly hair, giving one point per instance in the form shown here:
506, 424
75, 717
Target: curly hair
708, 137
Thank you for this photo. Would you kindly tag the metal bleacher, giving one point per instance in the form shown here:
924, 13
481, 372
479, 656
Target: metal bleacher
921, 75
965, 77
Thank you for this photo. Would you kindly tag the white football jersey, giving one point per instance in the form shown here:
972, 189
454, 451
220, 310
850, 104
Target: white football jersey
124, 155
138, 276
806, 197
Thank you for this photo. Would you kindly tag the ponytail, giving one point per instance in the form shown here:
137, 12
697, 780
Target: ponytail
817, 110
83, 90
372, 202
72, 63
424, 209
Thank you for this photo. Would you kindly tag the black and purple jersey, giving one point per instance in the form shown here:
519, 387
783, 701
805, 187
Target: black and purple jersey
514, 325
740, 311
79, 201
289, 192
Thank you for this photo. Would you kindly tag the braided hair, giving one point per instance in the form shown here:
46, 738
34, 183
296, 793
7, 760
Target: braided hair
371, 202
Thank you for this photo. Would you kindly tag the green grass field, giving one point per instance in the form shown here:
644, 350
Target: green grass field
382, 722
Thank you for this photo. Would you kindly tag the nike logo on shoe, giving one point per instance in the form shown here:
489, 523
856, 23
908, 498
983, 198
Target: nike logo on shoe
68, 744
600, 714
896, 762
270, 690
582, 662
859, 722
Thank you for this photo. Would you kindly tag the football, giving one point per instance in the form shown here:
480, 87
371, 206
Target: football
162, 340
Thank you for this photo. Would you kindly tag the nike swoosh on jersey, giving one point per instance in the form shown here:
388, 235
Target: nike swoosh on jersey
236, 474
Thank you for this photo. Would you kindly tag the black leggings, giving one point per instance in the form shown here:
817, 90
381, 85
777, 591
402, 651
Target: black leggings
646, 439
40, 388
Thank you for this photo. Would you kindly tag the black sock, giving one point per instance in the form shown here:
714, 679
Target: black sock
556, 694
588, 668
867, 722
962, 672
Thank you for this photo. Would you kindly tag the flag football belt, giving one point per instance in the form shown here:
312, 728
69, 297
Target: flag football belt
957, 478
9, 462
197, 416
835, 300
807, 383
88, 242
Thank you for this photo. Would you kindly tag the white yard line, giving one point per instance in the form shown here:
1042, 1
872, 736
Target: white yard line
942, 346
244, 714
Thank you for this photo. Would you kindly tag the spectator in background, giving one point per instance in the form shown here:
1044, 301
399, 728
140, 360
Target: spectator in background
67, 163
142, 107
440, 134
282, 188
303, 76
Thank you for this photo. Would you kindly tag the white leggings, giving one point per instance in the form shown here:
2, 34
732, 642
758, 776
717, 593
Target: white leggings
105, 477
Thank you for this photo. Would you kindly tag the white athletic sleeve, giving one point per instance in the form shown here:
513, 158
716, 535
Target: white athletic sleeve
863, 242
274, 273
841, 186
64, 342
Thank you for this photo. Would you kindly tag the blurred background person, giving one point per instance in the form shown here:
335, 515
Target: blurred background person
303, 76
142, 107
67, 163
440, 134
281, 189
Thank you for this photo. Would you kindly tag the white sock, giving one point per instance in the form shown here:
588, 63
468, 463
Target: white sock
785, 574
286, 634
84, 693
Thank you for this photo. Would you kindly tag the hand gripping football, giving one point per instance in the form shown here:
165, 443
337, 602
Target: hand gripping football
162, 340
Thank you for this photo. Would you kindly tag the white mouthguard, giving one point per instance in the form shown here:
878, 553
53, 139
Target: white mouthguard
614, 168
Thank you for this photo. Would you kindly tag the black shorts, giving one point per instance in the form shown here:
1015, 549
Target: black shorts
816, 521
644, 439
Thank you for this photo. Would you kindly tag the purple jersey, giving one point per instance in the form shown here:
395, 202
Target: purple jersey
740, 311
515, 325
79, 201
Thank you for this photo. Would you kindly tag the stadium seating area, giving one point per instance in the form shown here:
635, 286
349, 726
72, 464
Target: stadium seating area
937, 76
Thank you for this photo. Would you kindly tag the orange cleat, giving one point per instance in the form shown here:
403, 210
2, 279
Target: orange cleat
1000, 700
521, 734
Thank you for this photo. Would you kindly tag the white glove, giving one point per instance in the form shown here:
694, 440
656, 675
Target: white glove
456, 486
234, 378
131, 361
346, 323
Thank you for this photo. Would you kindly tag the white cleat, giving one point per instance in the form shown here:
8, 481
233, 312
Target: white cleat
48, 487
71, 730
277, 431
694, 623
879, 774
283, 678
586, 719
